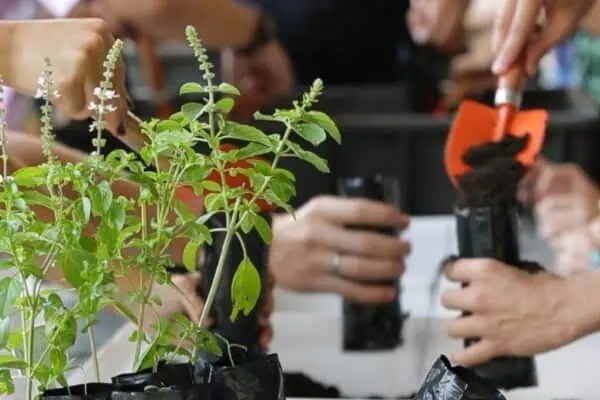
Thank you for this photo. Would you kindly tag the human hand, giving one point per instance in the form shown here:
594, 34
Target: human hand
565, 199
439, 22
512, 312
318, 252
574, 250
516, 25
77, 50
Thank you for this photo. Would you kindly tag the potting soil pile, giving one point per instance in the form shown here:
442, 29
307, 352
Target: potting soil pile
495, 173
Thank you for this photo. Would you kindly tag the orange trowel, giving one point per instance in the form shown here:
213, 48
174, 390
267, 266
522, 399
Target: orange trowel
477, 123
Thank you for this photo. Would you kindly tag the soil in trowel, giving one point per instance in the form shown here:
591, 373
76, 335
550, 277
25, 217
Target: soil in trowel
495, 172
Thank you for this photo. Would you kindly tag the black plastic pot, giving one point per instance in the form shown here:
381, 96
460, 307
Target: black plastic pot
445, 382
367, 327
172, 381
492, 232
92, 391
258, 379
164, 394
245, 330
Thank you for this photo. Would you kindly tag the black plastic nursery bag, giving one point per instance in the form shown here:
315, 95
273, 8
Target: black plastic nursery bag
172, 381
257, 379
444, 382
368, 327
92, 391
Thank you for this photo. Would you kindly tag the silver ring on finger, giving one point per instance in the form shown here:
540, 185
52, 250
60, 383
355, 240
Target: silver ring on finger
336, 264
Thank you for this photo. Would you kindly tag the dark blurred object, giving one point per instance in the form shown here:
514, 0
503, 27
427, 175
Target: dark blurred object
372, 327
254, 378
444, 382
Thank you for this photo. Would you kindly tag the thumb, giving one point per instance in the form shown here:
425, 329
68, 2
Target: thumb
557, 28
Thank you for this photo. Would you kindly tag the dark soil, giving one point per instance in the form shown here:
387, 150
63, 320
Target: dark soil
495, 172
301, 386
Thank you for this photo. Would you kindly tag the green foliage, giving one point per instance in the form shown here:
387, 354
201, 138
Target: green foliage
83, 194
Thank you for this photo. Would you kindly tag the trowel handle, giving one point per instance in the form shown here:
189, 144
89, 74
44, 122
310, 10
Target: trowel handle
511, 84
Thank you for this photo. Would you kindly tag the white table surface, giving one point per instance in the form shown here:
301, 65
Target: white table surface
308, 335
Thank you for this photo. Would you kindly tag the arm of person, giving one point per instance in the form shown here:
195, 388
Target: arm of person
591, 22
220, 23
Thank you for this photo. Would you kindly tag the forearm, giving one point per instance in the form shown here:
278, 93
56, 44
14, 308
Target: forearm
223, 23
591, 23
581, 298
7, 33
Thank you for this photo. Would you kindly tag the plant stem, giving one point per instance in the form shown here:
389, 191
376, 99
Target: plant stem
142, 310
30, 368
214, 286
217, 277
92, 339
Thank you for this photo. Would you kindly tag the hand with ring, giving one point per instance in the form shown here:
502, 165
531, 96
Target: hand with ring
320, 252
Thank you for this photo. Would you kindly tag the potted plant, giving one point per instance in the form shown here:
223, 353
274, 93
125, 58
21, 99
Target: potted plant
132, 235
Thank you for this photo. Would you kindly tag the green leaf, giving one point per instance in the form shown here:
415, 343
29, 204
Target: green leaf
35, 197
199, 232
190, 255
125, 311
183, 212
214, 202
318, 162
247, 133
211, 186
325, 122
284, 174
72, 264
309, 157
109, 237
58, 360
101, 196
245, 289
115, 217
195, 174
173, 138
313, 133
207, 341
180, 118
191, 87
193, 110
262, 167
225, 105
282, 188
228, 89
248, 223
263, 117
264, 230
30, 176
11, 362
4, 332
83, 208
7, 385
167, 125
252, 150
10, 290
